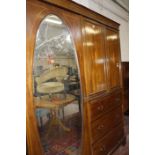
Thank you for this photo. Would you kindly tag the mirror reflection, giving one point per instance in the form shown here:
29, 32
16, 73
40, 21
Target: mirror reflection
57, 94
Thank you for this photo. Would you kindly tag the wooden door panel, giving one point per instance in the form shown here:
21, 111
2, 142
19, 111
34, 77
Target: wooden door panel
94, 53
35, 15
100, 75
88, 62
113, 55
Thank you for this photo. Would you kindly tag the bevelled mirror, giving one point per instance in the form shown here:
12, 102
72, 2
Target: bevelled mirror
56, 89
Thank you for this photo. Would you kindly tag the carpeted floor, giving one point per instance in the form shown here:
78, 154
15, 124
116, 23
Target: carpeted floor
124, 150
62, 142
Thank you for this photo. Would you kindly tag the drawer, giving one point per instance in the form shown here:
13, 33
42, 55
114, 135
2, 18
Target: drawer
112, 139
105, 123
101, 106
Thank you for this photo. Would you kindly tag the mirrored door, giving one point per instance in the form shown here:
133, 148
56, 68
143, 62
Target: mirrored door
56, 89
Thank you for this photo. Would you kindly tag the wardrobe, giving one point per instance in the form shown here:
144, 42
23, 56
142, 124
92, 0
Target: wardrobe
74, 80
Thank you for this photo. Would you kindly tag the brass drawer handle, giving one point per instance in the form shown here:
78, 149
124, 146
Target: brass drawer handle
100, 127
100, 108
102, 148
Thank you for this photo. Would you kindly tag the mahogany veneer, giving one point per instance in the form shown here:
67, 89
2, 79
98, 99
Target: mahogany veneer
96, 40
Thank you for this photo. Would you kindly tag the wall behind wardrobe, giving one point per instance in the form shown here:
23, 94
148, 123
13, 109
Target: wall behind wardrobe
111, 10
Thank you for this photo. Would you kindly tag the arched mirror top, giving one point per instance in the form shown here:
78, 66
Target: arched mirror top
53, 40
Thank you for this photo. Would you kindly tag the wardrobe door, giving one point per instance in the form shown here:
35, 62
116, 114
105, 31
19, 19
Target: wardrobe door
57, 88
113, 57
95, 58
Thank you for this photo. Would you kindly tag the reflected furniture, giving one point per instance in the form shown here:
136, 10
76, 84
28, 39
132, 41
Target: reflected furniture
74, 80
55, 106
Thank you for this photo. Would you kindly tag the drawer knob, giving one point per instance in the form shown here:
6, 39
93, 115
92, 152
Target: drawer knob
102, 148
100, 127
100, 108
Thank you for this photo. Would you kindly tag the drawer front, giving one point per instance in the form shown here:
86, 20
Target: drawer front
112, 139
105, 123
99, 107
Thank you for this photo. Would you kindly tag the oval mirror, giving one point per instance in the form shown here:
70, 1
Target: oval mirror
56, 88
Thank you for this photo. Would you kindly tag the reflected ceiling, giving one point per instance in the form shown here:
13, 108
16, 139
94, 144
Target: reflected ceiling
123, 4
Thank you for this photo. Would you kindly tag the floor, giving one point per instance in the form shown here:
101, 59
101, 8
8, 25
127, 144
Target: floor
57, 141
124, 150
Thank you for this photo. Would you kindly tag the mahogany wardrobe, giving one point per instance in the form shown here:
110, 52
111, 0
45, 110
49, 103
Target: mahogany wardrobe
74, 80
